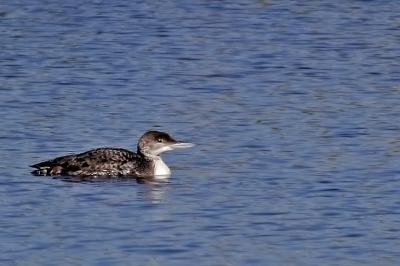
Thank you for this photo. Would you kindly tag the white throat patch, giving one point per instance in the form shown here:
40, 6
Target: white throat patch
161, 170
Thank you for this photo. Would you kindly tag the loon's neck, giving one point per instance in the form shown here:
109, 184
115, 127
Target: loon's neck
160, 169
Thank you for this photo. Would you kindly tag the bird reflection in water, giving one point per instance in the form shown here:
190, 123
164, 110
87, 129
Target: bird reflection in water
154, 190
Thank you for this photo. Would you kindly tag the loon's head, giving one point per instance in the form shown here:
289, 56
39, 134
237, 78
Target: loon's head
153, 143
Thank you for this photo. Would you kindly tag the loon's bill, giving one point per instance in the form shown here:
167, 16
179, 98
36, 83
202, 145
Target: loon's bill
116, 162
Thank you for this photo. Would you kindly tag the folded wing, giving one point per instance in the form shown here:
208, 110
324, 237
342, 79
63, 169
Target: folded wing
98, 162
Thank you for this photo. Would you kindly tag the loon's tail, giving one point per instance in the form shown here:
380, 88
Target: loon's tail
43, 168
39, 172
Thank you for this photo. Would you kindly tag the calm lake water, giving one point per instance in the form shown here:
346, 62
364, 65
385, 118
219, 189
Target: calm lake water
294, 107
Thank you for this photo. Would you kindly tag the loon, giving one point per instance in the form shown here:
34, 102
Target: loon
116, 162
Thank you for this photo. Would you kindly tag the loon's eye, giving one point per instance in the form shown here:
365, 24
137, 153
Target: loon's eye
160, 140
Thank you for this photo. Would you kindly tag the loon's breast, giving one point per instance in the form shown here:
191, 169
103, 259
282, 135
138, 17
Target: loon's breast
160, 168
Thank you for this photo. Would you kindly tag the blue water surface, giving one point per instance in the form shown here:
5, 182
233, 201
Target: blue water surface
294, 107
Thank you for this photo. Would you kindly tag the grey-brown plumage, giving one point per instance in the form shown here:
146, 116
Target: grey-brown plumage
114, 162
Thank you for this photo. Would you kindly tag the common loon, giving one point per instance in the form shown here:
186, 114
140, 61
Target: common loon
116, 162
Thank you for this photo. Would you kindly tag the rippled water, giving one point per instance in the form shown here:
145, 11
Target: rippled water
294, 107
